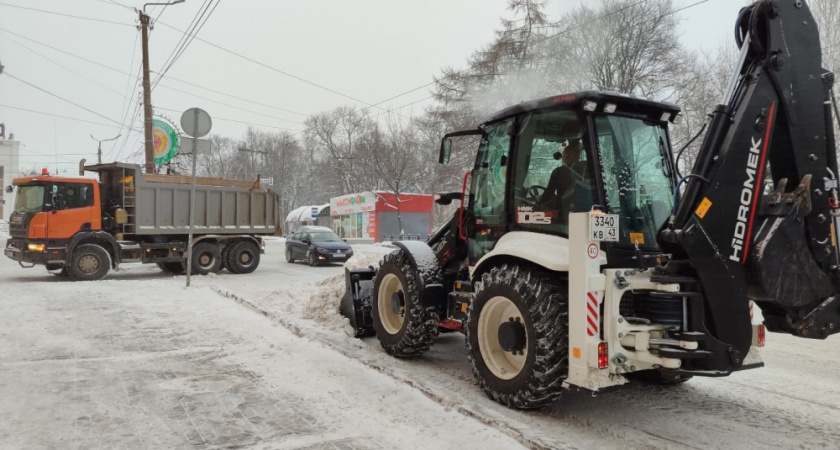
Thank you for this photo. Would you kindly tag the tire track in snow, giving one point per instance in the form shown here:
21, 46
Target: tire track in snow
531, 440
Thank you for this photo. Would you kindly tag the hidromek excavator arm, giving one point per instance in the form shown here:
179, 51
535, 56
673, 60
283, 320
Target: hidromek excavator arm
756, 220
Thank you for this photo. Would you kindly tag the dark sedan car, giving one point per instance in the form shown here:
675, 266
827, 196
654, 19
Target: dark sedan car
317, 245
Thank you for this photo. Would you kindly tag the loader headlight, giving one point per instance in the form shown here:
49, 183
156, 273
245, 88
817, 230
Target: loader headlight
36, 248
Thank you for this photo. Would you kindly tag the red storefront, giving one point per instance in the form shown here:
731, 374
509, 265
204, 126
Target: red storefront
379, 216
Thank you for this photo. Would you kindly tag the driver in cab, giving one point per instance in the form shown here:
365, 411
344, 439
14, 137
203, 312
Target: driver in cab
559, 194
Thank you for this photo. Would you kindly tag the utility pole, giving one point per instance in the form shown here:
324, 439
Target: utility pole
147, 90
147, 95
99, 150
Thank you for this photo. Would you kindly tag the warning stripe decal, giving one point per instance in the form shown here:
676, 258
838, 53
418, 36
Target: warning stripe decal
592, 315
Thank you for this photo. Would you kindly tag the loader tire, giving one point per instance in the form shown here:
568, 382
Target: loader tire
244, 257
517, 335
89, 262
402, 325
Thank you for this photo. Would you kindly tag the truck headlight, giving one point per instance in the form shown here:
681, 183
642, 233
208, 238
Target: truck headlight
36, 247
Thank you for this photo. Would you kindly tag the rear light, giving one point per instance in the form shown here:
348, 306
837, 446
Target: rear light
603, 359
761, 335
36, 247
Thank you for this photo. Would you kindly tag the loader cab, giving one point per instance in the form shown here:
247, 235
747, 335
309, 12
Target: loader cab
538, 162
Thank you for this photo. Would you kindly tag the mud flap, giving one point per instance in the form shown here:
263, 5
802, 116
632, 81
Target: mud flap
356, 302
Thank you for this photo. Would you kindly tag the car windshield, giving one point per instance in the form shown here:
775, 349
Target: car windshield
30, 199
635, 161
324, 236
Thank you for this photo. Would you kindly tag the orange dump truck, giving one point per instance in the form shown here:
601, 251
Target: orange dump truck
84, 227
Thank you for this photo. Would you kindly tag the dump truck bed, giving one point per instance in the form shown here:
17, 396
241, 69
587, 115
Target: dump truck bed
160, 204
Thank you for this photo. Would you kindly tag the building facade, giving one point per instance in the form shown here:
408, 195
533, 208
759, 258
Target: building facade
9, 168
379, 216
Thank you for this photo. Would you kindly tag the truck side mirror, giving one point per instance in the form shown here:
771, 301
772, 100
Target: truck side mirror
10, 189
445, 150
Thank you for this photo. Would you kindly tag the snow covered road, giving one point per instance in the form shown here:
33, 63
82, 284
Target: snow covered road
140, 361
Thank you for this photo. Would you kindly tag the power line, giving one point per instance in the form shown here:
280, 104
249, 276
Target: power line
67, 68
6, 72
234, 120
64, 52
184, 37
167, 76
231, 106
127, 104
170, 77
66, 15
59, 116
187, 44
276, 69
115, 3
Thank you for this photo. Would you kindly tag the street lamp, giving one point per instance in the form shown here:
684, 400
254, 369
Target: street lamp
99, 150
174, 2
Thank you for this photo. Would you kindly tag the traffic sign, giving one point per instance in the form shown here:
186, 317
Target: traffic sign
196, 122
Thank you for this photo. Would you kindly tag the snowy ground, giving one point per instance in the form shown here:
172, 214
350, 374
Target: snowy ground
95, 365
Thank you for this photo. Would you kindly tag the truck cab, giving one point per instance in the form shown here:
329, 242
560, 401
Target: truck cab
48, 212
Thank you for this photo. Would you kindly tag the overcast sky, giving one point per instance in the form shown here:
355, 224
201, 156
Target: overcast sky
303, 57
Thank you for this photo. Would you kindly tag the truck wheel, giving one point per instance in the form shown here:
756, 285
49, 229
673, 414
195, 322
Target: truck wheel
517, 336
175, 268
226, 254
244, 257
206, 258
89, 262
401, 323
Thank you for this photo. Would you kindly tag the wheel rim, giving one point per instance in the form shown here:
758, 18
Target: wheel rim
392, 321
88, 264
245, 258
205, 260
503, 364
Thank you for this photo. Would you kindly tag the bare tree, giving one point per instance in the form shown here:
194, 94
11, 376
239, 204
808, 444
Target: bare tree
624, 45
334, 137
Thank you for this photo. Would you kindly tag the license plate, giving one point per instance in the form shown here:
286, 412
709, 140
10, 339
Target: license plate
339, 256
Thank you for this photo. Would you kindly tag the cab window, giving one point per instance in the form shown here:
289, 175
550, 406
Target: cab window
72, 195
551, 176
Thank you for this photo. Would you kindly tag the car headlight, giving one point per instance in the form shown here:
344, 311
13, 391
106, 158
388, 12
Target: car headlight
323, 250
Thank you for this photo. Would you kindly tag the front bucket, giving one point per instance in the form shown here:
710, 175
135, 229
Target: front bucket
356, 303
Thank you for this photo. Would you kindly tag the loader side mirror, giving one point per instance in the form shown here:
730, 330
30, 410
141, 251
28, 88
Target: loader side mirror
445, 150
10, 189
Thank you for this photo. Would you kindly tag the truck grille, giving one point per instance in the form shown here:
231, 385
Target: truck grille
19, 224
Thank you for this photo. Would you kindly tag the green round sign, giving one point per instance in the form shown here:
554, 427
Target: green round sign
165, 141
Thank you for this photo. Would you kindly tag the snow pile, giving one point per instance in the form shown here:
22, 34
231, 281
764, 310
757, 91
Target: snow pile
319, 302
322, 306
4, 229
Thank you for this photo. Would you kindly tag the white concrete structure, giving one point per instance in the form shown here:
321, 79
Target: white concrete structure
9, 167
